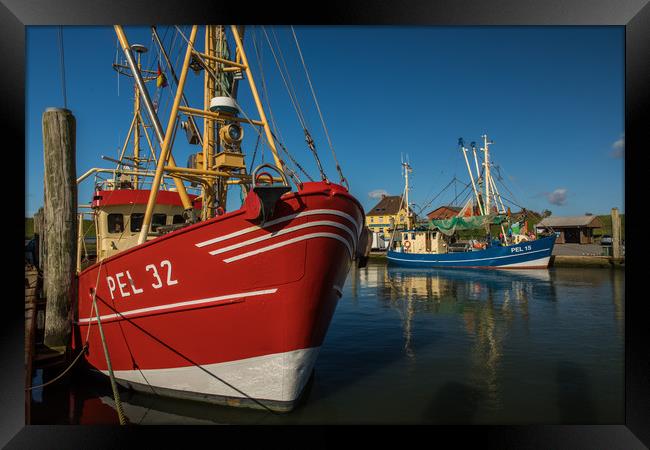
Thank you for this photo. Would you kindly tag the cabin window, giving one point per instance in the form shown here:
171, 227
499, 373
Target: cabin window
178, 219
136, 222
158, 220
413, 236
115, 223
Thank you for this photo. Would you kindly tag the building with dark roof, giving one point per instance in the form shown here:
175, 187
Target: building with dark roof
388, 213
571, 230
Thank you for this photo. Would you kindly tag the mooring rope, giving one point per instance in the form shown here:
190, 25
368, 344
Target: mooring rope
188, 359
81, 352
116, 393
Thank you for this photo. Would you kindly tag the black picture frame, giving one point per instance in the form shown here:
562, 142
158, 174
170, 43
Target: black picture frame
634, 15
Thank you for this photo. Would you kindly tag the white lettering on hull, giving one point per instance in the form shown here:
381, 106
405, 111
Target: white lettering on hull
134, 290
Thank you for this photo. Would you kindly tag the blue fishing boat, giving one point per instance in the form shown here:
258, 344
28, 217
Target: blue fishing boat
436, 242
534, 254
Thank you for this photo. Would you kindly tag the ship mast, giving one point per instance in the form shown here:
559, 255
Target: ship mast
486, 163
471, 175
209, 92
219, 164
136, 113
136, 123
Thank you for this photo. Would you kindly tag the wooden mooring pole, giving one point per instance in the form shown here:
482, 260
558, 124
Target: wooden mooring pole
616, 234
60, 214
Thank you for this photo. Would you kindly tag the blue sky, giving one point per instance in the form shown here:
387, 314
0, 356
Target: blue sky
551, 98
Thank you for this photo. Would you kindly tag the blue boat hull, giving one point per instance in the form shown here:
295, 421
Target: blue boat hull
527, 255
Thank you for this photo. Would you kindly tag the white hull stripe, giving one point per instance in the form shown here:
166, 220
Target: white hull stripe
286, 231
278, 376
280, 220
202, 301
468, 260
535, 262
291, 241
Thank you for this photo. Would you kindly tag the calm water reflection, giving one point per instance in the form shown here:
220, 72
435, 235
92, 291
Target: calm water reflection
439, 346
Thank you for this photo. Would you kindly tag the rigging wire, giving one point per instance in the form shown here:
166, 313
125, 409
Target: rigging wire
320, 114
265, 92
438, 195
289, 84
275, 127
301, 119
502, 180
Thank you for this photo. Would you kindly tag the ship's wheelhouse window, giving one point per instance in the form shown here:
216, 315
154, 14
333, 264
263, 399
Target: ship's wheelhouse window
136, 222
115, 223
178, 219
413, 236
158, 220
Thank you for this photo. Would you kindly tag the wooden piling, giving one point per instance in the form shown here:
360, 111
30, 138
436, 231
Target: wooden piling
616, 234
31, 299
60, 223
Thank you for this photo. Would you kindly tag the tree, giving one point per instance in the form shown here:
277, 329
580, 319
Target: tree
546, 213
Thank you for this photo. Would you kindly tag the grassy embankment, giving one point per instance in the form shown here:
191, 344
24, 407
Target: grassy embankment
88, 227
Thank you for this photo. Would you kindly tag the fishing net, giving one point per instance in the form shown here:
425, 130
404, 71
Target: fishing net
453, 224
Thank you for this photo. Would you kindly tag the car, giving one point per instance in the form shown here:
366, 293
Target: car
606, 239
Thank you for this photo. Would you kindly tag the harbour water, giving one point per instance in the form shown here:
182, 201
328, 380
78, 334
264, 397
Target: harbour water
411, 346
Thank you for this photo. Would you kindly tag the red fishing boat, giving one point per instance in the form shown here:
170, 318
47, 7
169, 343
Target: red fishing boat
188, 300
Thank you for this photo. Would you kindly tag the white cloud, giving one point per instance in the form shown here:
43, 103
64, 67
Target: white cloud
377, 193
557, 197
618, 147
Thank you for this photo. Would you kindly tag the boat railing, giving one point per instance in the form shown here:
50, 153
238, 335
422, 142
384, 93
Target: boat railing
145, 179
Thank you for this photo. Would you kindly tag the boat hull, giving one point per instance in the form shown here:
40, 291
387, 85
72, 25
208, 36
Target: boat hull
526, 255
230, 310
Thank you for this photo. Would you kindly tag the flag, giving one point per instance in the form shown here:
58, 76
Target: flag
161, 80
